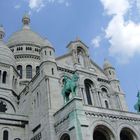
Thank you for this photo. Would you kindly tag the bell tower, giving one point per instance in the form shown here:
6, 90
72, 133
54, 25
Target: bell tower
118, 93
79, 53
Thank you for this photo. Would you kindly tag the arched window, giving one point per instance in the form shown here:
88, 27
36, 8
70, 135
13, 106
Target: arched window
50, 53
4, 77
88, 86
38, 99
0, 75
106, 104
28, 71
5, 135
45, 53
19, 68
104, 90
65, 137
37, 69
52, 71
109, 72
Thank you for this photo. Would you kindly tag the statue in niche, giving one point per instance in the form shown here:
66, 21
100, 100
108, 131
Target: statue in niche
70, 86
80, 58
137, 105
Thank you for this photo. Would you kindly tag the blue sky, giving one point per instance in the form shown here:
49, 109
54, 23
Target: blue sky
110, 28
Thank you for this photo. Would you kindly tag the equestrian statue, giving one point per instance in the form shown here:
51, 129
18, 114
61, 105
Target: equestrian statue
137, 105
69, 86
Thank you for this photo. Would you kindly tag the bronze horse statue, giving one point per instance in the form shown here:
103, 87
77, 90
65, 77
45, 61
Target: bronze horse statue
70, 86
137, 105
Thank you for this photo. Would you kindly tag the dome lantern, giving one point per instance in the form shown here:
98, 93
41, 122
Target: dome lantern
26, 21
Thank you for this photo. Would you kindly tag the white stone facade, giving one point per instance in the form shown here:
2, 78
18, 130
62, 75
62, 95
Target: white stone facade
31, 101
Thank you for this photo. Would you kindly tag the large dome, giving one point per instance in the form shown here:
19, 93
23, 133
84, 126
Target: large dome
6, 55
26, 35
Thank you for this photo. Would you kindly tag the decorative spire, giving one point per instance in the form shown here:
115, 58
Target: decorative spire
107, 64
2, 32
26, 21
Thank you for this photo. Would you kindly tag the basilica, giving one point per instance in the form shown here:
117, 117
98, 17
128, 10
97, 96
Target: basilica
70, 97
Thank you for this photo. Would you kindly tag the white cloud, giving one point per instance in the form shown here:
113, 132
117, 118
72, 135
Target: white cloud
37, 5
67, 4
138, 5
115, 6
123, 36
17, 6
96, 41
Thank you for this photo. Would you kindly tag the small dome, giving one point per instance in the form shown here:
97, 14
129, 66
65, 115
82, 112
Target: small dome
6, 55
107, 64
47, 43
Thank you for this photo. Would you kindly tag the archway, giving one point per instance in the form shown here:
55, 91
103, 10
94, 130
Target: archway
98, 135
65, 137
126, 134
101, 132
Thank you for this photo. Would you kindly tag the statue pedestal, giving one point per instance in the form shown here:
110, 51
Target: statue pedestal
71, 115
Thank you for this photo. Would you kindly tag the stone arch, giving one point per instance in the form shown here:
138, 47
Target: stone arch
81, 49
8, 102
65, 136
82, 89
102, 132
105, 87
127, 132
104, 125
82, 79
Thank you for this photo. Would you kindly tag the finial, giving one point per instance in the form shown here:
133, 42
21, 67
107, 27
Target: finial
107, 64
105, 59
26, 20
77, 38
2, 32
